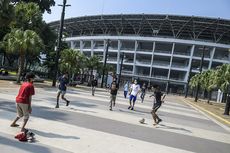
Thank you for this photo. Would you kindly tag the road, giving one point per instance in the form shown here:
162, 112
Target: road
87, 125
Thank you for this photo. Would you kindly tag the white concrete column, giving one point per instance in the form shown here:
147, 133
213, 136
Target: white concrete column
92, 47
170, 65
190, 62
151, 67
81, 46
211, 57
118, 56
134, 58
72, 45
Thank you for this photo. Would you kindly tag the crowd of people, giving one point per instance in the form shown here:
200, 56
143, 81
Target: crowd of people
26, 91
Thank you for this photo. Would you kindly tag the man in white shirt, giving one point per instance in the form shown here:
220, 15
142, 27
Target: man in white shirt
134, 90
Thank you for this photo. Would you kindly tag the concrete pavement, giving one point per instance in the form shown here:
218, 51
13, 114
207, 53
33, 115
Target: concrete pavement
87, 125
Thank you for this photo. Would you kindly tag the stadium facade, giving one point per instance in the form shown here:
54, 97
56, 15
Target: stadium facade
160, 49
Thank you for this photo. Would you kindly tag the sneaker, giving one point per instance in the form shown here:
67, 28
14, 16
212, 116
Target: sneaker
129, 107
67, 103
132, 108
111, 109
160, 120
57, 106
14, 125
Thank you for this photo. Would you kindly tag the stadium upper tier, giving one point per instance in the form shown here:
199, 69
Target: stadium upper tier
171, 26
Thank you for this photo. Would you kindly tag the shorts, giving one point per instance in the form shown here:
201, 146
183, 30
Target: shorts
23, 110
156, 106
112, 98
132, 97
62, 92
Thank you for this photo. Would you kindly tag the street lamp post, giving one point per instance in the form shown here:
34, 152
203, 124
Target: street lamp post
119, 78
200, 69
104, 64
59, 42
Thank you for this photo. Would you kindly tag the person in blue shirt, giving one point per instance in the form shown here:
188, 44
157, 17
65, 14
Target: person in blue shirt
63, 81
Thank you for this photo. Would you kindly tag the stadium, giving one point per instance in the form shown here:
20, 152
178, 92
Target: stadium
157, 49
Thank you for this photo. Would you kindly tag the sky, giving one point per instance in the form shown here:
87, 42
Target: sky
203, 8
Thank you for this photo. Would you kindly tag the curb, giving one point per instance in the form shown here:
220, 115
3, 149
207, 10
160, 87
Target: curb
210, 115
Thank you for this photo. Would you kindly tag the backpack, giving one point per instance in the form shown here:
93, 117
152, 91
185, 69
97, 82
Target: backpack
21, 136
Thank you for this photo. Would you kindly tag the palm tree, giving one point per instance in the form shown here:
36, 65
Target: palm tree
22, 43
222, 81
194, 81
70, 61
6, 13
207, 79
92, 63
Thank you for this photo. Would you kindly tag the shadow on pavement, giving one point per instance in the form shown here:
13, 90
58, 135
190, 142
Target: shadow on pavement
72, 102
22, 146
42, 112
162, 126
53, 135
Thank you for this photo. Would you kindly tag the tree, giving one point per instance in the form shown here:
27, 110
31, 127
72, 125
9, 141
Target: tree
6, 13
44, 5
93, 62
22, 43
194, 81
6, 16
222, 81
70, 60
27, 17
207, 79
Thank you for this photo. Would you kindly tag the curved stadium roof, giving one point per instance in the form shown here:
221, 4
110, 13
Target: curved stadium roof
181, 27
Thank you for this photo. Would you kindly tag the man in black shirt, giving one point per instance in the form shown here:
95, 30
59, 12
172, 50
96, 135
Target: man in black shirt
157, 104
94, 84
113, 93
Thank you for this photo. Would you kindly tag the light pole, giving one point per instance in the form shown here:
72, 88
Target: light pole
105, 60
119, 78
59, 42
200, 69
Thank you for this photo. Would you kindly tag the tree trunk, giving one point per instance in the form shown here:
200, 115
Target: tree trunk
209, 96
3, 58
26, 64
82, 76
227, 106
20, 67
224, 97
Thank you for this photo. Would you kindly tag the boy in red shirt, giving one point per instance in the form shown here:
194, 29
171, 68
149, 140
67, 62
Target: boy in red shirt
23, 101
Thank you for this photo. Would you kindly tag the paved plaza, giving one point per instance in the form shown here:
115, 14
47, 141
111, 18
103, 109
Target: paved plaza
87, 125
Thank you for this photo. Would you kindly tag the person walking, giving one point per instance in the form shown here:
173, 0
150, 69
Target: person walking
143, 90
63, 81
94, 85
157, 104
134, 90
126, 89
23, 101
113, 94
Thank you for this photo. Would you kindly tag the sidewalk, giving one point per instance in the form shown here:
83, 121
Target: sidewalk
212, 109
